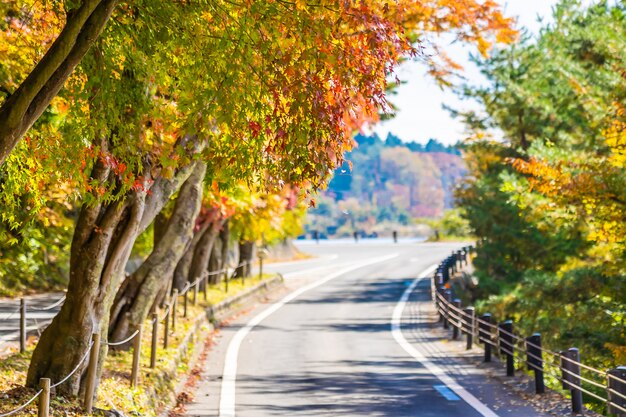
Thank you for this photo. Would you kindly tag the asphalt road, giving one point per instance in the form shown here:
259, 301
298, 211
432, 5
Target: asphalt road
328, 348
40, 310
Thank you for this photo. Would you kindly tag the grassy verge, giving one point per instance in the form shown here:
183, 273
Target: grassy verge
156, 386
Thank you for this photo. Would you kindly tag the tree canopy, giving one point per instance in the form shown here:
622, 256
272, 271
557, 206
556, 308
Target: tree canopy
547, 198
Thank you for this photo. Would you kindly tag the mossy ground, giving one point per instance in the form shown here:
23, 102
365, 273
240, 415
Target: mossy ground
156, 386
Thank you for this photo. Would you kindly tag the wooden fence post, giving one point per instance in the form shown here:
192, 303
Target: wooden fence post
470, 313
174, 306
22, 325
155, 339
456, 326
166, 329
44, 398
534, 359
507, 348
617, 390
185, 302
92, 373
484, 335
134, 373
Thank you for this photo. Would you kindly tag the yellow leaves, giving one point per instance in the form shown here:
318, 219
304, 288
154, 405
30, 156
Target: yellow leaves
300, 5
207, 16
615, 136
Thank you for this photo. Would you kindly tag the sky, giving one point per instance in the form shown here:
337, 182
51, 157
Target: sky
420, 100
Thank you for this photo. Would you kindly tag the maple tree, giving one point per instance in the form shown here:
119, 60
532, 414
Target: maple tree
264, 92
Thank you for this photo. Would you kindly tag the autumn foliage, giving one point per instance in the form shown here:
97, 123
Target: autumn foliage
241, 108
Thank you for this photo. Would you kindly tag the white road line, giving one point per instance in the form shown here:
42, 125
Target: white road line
396, 330
229, 376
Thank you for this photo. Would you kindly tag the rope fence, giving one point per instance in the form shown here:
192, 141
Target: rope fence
167, 318
608, 387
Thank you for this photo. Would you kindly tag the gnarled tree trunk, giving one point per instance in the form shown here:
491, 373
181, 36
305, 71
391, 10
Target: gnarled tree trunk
202, 252
103, 238
140, 290
246, 250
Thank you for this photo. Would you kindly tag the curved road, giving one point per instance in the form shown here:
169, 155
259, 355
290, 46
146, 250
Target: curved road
327, 349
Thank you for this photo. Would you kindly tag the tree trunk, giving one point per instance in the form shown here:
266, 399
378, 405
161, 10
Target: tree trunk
18, 113
202, 252
140, 290
246, 249
181, 272
225, 239
103, 238
215, 262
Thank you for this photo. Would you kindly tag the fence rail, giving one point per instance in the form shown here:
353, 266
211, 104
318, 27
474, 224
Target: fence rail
608, 387
168, 318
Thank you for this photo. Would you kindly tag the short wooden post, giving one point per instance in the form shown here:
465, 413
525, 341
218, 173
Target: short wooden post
166, 329
469, 326
44, 398
155, 339
185, 302
261, 266
195, 292
505, 333
570, 369
484, 335
439, 303
205, 286
534, 359
174, 308
226, 281
22, 325
456, 326
448, 297
90, 387
134, 373
617, 390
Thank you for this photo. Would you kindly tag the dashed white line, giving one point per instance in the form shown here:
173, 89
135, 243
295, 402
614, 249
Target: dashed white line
396, 330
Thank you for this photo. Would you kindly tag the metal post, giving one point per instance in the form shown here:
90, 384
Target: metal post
617, 390
470, 314
534, 359
448, 297
155, 339
506, 345
22, 325
570, 369
92, 373
44, 398
456, 326
134, 373
484, 335
174, 308
166, 330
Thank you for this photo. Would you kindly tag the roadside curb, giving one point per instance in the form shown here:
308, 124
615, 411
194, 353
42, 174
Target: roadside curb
190, 349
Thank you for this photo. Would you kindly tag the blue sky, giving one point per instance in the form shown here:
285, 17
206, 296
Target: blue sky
420, 100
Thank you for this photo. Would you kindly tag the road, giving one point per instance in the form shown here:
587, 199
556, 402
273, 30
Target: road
40, 310
328, 349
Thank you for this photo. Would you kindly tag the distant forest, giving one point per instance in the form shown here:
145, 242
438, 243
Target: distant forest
388, 184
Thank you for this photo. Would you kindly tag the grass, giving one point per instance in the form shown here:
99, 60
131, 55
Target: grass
156, 387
